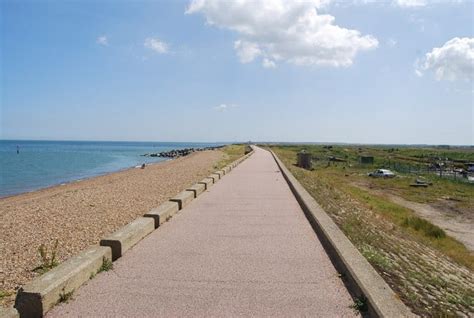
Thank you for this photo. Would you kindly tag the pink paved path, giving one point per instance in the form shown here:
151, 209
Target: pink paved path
243, 248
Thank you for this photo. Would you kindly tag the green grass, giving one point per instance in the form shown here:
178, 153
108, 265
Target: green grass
424, 230
360, 304
375, 257
106, 266
426, 227
231, 153
340, 177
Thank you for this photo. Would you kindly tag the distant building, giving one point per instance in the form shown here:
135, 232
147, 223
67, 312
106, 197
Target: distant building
367, 160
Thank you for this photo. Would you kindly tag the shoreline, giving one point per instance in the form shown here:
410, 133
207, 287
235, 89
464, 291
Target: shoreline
64, 183
80, 213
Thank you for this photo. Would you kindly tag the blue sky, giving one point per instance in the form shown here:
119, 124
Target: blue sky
360, 71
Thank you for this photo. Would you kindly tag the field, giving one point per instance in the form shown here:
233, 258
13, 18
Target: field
431, 271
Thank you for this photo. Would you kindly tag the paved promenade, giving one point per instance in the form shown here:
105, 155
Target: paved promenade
243, 248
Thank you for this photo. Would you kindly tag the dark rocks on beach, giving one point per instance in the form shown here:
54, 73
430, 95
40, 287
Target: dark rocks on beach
175, 153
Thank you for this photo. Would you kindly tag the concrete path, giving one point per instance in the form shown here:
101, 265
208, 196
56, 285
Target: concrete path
243, 248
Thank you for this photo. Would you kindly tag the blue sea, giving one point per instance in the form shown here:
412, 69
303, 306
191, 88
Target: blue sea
41, 164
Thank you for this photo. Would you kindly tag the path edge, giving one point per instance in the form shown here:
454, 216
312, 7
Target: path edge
361, 278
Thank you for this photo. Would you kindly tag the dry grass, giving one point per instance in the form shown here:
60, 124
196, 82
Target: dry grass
431, 272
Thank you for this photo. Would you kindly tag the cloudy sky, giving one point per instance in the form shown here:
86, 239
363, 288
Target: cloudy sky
366, 71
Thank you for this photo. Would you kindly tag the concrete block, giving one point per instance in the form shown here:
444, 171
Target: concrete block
9, 313
183, 198
208, 182
197, 189
220, 173
162, 213
127, 236
226, 169
214, 177
37, 297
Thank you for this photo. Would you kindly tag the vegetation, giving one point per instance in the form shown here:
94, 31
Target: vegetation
107, 265
48, 260
360, 304
5, 294
65, 296
231, 153
431, 272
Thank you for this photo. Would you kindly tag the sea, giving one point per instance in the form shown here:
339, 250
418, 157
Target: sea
27, 165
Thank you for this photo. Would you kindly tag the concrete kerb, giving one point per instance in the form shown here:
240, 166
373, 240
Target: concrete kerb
214, 178
183, 198
208, 182
163, 213
361, 278
129, 235
197, 189
37, 297
219, 173
9, 313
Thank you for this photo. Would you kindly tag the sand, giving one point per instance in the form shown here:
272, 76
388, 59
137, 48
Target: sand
79, 214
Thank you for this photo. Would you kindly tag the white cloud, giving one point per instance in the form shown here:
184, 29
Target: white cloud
282, 30
453, 61
247, 51
411, 3
224, 107
102, 40
268, 63
156, 45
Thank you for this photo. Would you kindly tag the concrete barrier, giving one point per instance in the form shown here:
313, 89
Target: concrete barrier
129, 235
208, 182
37, 297
163, 213
9, 313
220, 173
362, 279
183, 198
214, 178
197, 189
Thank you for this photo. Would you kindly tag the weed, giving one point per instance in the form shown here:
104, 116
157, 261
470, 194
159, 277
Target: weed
375, 257
4, 294
360, 304
106, 265
464, 299
65, 296
426, 227
437, 281
47, 261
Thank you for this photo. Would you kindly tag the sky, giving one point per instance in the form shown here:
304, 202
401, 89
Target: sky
354, 71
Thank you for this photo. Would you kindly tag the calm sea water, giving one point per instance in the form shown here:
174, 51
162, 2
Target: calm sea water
41, 164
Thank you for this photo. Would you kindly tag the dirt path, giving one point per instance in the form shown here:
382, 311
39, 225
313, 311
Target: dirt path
457, 226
